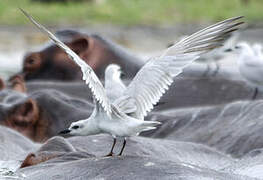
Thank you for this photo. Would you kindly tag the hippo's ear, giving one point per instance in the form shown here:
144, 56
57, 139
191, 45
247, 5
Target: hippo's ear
26, 113
2, 84
29, 160
80, 45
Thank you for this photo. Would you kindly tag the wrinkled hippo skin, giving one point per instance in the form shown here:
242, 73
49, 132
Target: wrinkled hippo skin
128, 167
251, 165
235, 128
144, 159
52, 63
99, 146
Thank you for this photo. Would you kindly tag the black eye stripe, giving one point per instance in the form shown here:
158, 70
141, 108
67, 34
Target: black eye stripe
75, 127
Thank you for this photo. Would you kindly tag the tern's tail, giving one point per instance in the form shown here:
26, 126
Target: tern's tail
149, 125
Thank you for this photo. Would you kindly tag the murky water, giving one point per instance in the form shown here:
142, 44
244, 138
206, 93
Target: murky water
8, 168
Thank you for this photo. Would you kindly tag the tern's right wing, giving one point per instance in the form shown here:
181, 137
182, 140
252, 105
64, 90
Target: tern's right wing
205, 39
155, 77
89, 75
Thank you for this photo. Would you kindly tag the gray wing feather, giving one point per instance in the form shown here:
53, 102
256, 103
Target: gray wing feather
155, 77
206, 39
89, 76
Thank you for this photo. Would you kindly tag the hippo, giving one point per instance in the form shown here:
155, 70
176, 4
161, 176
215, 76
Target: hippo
51, 63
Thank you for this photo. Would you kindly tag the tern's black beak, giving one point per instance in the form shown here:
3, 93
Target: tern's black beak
66, 131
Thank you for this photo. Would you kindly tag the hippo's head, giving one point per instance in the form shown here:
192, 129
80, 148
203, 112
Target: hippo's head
53, 63
17, 110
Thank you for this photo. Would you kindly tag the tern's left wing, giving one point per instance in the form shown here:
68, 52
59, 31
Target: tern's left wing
89, 75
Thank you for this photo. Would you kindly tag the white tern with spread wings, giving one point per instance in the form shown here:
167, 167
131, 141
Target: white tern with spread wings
146, 88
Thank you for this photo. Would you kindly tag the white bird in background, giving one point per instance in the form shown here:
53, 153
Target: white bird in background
147, 87
250, 65
114, 86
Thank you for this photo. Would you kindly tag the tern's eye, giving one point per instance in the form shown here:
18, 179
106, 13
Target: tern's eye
75, 127
237, 47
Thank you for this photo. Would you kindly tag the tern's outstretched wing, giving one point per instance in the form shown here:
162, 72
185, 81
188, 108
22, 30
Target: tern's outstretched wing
151, 82
205, 39
88, 74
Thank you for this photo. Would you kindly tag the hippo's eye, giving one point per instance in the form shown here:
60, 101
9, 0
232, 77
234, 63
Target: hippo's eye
31, 61
75, 127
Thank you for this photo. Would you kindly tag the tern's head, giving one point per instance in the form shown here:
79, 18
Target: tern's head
76, 128
113, 71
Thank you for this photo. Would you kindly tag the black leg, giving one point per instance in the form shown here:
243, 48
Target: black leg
255, 94
123, 146
111, 151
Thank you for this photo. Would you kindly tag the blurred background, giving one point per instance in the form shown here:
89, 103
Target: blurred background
143, 26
